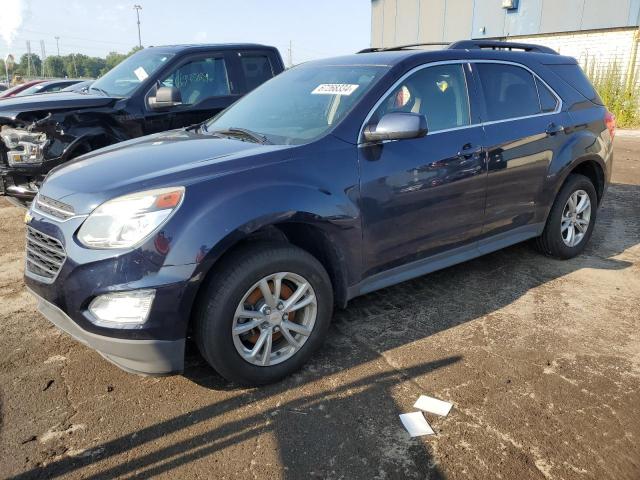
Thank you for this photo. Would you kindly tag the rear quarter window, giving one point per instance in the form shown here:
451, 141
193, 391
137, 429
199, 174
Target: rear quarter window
548, 102
575, 77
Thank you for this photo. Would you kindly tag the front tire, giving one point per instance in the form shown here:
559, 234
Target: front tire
263, 313
571, 219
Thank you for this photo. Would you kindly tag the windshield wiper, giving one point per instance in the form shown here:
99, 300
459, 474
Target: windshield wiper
104, 92
200, 125
245, 133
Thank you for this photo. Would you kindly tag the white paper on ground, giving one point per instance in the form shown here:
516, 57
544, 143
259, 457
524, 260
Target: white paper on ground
433, 405
416, 424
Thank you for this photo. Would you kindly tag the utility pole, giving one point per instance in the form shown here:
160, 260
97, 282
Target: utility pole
137, 8
57, 44
28, 59
290, 54
44, 55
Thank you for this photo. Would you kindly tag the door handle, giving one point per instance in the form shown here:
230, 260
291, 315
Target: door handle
468, 150
554, 128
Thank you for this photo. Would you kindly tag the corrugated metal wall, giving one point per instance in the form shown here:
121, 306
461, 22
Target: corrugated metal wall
397, 22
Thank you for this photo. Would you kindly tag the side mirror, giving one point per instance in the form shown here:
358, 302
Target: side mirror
397, 126
165, 97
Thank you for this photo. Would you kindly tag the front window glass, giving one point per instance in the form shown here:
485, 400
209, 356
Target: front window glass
300, 104
439, 93
125, 77
199, 79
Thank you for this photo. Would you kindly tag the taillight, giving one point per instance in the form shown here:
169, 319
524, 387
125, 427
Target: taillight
610, 122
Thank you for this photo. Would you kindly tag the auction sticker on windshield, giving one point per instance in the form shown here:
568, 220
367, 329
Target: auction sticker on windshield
335, 89
141, 73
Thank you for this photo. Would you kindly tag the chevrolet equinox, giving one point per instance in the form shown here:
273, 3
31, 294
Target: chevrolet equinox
336, 178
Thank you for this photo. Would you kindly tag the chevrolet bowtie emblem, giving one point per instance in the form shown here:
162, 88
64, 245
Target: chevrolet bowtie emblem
27, 217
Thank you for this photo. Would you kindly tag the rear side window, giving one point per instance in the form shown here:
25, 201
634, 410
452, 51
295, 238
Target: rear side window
548, 102
574, 76
256, 69
509, 91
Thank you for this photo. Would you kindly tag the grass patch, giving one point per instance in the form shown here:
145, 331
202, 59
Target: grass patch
619, 93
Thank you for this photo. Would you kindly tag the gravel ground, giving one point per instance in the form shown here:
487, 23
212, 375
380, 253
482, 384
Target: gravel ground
541, 359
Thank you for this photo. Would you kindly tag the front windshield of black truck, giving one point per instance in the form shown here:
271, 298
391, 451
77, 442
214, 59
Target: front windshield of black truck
300, 104
125, 77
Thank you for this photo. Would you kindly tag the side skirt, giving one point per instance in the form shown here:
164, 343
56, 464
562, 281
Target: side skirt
444, 259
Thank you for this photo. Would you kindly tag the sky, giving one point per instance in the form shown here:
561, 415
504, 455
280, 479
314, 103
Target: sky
315, 28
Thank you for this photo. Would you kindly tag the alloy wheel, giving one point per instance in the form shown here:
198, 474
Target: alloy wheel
274, 319
576, 216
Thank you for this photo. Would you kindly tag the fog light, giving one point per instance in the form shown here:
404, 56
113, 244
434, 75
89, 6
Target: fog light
125, 308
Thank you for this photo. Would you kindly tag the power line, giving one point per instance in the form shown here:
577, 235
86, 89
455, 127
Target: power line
50, 34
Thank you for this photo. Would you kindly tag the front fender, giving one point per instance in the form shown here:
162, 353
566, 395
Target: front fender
320, 190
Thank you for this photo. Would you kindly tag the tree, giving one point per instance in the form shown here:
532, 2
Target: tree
74, 65
70, 65
33, 68
54, 66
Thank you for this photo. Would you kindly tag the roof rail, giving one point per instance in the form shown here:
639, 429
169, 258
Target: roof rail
402, 47
497, 45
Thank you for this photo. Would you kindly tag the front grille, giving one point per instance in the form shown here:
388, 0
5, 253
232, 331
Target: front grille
54, 208
45, 255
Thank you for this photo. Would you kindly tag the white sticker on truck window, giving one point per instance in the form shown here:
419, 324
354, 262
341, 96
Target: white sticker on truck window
335, 89
141, 73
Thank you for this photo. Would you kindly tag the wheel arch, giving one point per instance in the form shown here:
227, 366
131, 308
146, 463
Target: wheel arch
302, 230
591, 168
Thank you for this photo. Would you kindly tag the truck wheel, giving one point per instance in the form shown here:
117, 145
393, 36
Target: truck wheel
571, 220
262, 314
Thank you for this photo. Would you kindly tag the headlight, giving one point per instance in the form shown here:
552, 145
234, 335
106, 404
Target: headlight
24, 147
126, 221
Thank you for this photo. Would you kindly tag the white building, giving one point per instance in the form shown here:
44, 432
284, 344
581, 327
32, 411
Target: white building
598, 32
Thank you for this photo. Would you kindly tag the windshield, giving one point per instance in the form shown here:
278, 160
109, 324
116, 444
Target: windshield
125, 77
301, 104
31, 90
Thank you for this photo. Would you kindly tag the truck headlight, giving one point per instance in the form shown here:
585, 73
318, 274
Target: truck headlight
23, 147
126, 221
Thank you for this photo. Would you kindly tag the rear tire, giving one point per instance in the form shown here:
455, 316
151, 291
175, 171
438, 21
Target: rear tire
233, 300
571, 220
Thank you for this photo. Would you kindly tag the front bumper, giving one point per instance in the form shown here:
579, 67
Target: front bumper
146, 357
21, 185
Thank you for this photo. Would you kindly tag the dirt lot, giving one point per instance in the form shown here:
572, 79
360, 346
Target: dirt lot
541, 359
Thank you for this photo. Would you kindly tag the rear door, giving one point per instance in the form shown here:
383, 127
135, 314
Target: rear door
523, 125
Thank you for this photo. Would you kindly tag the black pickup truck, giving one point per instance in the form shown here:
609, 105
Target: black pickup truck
156, 89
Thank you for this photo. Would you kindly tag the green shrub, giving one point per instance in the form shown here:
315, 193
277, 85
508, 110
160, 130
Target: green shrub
618, 92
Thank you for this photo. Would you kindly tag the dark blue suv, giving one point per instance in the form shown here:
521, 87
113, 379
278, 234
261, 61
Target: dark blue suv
334, 179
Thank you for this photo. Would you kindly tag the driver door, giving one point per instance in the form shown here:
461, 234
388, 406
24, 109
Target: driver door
205, 87
423, 196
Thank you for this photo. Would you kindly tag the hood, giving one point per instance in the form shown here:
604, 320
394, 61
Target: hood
177, 157
13, 106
